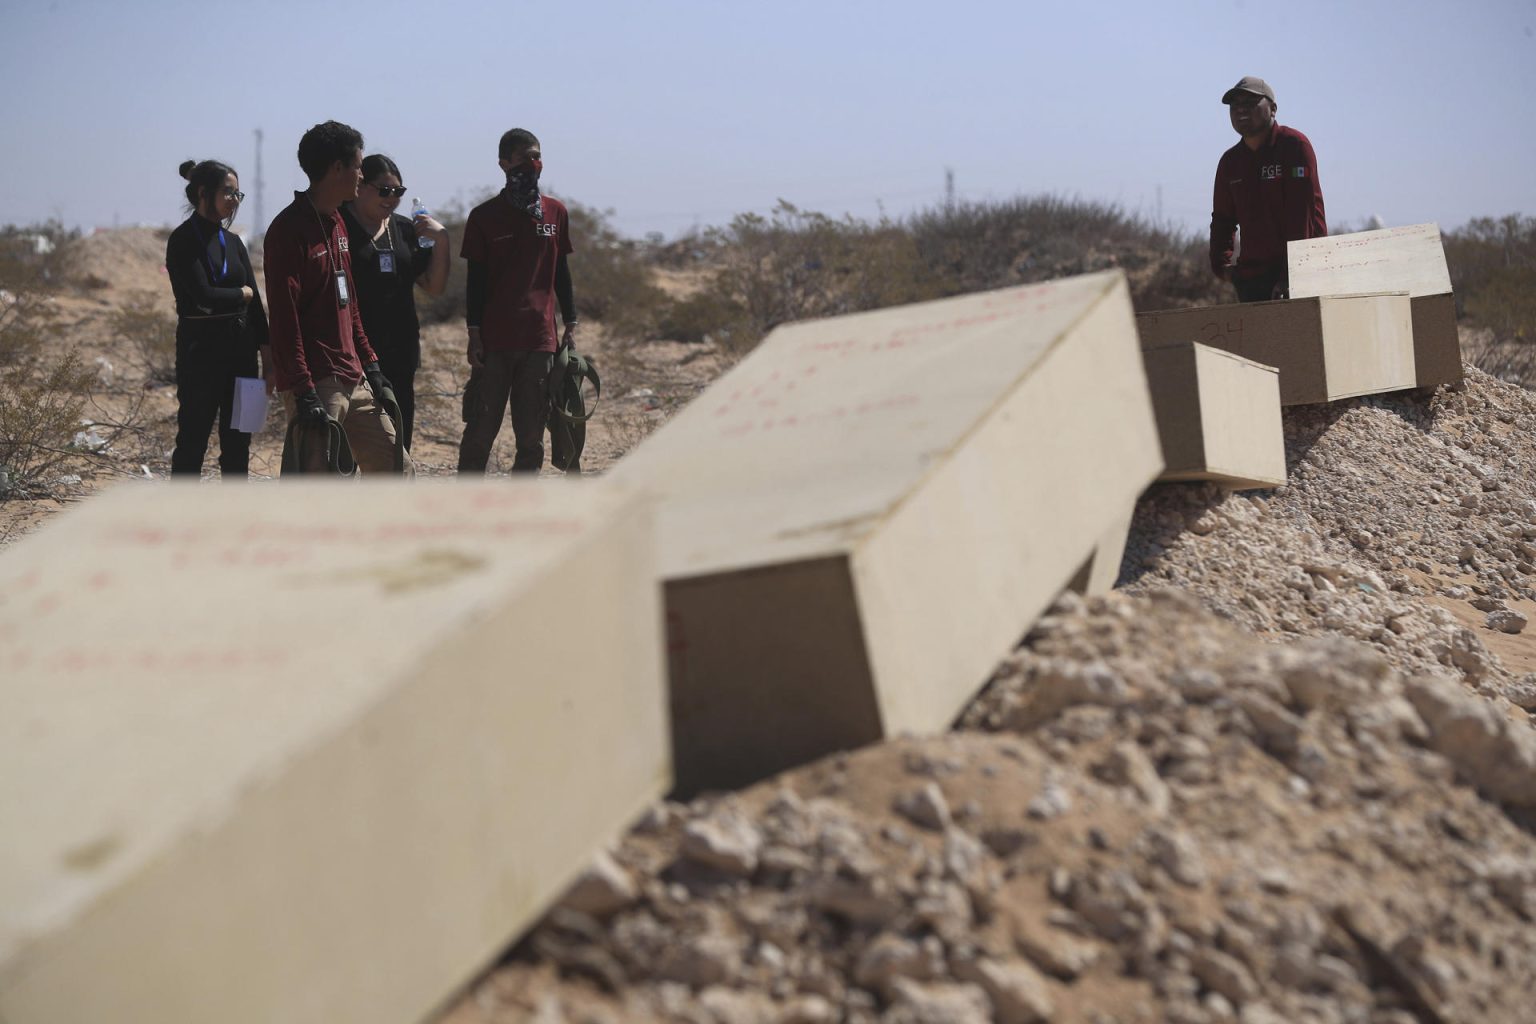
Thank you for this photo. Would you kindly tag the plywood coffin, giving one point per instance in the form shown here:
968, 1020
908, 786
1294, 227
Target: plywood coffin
1218, 416
1409, 259
1325, 348
860, 517
312, 752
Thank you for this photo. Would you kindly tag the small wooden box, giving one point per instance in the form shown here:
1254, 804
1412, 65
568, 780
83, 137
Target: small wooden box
1218, 416
1325, 348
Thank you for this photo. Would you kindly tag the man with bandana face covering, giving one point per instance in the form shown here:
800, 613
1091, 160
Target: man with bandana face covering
516, 244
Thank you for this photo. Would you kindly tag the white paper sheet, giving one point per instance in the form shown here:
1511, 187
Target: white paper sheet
249, 414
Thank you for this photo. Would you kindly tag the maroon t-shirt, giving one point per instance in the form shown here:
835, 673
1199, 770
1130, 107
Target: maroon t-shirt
520, 255
1273, 195
313, 336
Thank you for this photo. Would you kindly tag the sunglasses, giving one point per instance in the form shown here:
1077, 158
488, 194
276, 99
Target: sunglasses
233, 193
388, 191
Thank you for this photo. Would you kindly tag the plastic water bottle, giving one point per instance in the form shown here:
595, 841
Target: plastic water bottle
419, 209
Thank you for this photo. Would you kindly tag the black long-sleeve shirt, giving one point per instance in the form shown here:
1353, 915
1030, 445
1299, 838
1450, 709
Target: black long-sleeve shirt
206, 278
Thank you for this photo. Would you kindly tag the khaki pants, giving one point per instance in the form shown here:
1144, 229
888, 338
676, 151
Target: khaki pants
370, 432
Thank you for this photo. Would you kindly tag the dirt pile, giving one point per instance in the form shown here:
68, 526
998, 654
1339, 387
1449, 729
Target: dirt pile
1165, 820
1409, 523
1151, 813
123, 260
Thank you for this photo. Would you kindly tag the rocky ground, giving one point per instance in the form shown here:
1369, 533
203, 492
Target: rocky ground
1285, 773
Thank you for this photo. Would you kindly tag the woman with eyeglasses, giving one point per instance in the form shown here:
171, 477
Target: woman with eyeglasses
221, 323
392, 255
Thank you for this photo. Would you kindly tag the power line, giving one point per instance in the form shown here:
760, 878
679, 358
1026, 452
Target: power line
260, 220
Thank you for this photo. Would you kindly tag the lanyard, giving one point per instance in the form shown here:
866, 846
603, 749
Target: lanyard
343, 296
328, 235
223, 272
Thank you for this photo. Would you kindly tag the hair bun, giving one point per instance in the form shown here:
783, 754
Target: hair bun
186, 168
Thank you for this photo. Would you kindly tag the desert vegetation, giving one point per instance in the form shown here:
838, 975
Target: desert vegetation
42, 390
760, 271
658, 312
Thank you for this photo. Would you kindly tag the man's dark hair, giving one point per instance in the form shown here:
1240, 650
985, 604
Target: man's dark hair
514, 142
326, 143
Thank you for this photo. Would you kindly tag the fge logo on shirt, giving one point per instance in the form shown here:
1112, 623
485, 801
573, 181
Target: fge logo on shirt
547, 230
1269, 172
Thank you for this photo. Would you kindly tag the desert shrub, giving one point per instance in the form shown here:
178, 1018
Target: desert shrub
795, 265
709, 315
977, 246
39, 415
40, 401
148, 330
1180, 279
611, 278
1506, 304
1493, 271
1508, 359
695, 247
32, 262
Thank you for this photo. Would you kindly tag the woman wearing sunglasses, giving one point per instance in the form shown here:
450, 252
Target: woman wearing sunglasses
389, 259
220, 323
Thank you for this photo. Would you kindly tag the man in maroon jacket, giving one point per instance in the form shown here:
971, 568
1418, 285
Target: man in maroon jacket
326, 369
1267, 187
516, 243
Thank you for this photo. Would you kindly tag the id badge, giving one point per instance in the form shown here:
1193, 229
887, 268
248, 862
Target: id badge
342, 298
386, 262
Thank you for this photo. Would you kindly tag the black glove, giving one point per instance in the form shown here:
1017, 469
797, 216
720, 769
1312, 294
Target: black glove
311, 410
376, 380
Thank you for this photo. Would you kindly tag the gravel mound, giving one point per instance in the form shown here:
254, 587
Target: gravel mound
1408, 521
1284, 774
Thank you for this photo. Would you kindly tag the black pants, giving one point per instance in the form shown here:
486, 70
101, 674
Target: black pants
206, 369
400, 368
1257, 289
518, 379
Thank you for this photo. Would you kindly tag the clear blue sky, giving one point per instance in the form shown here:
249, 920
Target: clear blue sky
677, 114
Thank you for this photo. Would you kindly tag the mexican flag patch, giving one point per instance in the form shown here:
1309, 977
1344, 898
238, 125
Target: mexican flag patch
1298, 172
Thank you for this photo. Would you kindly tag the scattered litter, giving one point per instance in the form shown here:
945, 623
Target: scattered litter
89, 440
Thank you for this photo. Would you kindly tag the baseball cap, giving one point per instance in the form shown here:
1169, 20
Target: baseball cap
1248, 83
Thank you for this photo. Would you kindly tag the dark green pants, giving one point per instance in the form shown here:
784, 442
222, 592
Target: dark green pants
515, 380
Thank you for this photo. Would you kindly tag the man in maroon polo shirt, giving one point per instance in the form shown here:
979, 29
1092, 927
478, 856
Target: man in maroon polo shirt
326, 369
1266, 187
516, 244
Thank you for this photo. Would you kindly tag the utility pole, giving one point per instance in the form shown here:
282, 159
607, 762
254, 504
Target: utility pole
261, 223
949, 190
